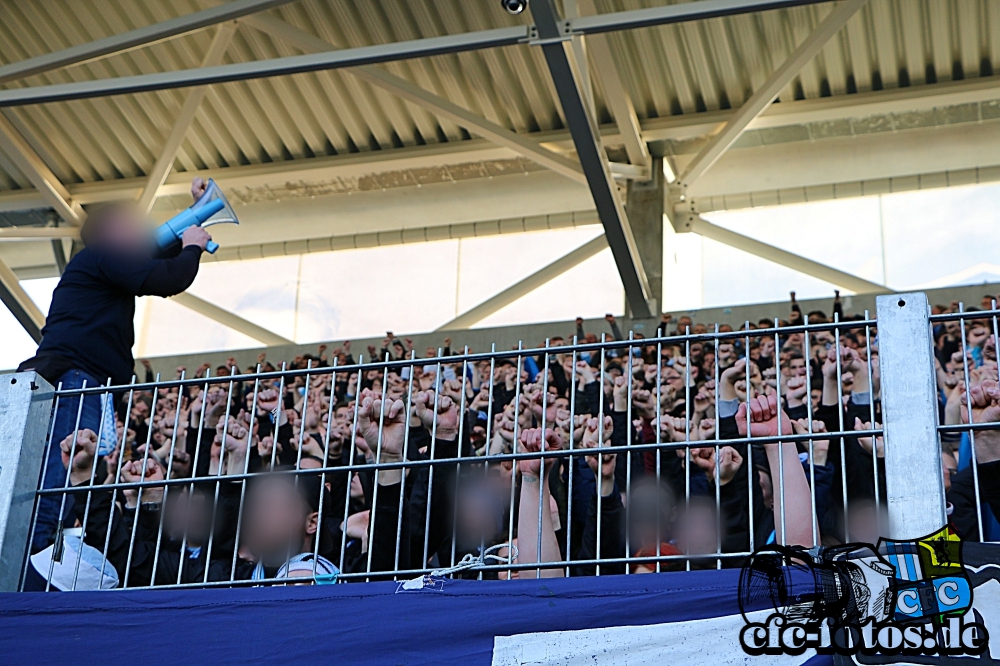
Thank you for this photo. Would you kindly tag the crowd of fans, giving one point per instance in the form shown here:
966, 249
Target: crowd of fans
245, 503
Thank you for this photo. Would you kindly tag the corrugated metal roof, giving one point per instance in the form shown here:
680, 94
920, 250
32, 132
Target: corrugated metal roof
671, 70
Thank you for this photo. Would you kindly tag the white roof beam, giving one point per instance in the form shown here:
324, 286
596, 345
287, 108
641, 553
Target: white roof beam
765, 95
13, 295
165, 161
699, 225
139, 37
918, 99
527, 285
414, 94
227, 318
20, 152
38, 233
616, 97
407, 236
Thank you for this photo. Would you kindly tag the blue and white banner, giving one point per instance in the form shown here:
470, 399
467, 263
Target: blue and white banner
678, 618
690, 619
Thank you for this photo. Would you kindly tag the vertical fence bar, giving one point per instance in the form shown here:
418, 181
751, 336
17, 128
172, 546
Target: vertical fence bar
914, 482
26, 405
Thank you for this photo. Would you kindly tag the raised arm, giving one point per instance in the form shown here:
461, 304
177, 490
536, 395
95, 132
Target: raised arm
534, 539
391, 418
783, 460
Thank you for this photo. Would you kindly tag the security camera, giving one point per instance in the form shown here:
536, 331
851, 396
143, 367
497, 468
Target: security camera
514, 7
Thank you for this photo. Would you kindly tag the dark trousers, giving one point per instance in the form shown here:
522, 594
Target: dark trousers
56, 474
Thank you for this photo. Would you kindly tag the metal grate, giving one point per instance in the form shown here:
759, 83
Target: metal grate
254, 478
966, 358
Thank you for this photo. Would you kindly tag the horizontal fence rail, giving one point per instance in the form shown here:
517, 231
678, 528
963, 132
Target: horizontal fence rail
623, 456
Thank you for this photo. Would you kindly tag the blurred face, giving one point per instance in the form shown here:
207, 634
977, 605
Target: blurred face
863, 523
124, 230
188, 513
278, 520
696, 530
476, 517
651, 514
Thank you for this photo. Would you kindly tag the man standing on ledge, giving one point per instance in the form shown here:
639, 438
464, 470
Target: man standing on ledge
88, 334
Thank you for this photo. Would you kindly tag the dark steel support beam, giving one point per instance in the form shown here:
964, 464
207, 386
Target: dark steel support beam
590, 151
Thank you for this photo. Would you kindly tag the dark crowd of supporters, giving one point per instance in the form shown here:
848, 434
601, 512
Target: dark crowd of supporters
260, 485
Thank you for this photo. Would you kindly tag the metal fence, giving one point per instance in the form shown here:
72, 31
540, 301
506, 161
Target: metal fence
966, 356
623, 456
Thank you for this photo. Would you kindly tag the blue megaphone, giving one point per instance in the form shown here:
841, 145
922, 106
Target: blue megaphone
211, 208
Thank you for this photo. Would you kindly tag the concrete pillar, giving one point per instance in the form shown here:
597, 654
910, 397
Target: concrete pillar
644, 207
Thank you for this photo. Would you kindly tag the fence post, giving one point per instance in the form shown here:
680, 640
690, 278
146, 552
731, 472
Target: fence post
913, 474
25, 413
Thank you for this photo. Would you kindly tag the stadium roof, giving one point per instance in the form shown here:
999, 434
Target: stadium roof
871, 96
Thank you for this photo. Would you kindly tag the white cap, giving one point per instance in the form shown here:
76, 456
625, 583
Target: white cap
92, 562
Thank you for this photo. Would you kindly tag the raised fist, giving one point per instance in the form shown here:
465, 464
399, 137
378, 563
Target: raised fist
267, 400
531, 442
729, 462
390, 416
136, 471
446, 417
763, 421
985, 403
594, 438
83, 455
198, 187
